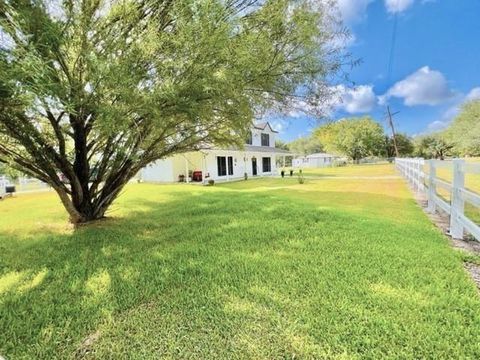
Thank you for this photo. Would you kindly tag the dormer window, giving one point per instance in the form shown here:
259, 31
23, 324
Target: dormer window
249, 140
265, 139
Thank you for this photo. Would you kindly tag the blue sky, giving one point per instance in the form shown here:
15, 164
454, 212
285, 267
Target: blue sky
436, 63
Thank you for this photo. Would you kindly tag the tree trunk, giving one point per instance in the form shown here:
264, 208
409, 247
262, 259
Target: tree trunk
75, 215
81, 213
84, 208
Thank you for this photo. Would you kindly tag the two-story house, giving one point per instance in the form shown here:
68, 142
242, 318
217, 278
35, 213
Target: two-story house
257, 158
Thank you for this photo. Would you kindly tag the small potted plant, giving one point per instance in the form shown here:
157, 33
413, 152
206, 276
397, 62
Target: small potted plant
301, 179
245, 175
211, 182
181, 178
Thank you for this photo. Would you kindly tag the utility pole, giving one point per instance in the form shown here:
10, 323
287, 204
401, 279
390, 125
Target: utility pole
392, 127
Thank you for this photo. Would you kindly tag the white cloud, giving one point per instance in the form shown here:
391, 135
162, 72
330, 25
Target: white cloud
397, 6
356, 10
357, 100
343, 40
437, 125
474, 94
279, 125
452, 111
423, 87
360, 99
299, 108
353, 10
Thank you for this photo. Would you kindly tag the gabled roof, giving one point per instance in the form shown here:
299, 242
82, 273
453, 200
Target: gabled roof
262, 126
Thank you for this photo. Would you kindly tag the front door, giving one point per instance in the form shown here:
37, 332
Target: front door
254, 166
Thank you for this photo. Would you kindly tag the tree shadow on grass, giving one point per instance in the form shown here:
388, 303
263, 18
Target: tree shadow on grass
228, 275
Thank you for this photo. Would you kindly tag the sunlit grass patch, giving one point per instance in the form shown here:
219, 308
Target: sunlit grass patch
362, 170
258, 269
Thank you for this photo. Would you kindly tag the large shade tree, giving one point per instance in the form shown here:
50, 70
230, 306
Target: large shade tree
434, 146
464, 132
91, 91
306, 145
404, 144
355, 138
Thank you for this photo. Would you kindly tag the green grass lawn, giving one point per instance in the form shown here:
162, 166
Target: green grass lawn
258, 269
364, 170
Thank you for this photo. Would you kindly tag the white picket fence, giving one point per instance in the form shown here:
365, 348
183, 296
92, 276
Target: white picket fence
422, 176
23, 184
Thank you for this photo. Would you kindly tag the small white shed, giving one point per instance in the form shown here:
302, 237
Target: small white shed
316, 160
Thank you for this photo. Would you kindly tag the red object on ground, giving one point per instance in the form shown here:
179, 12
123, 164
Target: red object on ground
197, 176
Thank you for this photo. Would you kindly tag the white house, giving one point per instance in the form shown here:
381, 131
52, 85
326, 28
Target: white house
257, 158
317, 160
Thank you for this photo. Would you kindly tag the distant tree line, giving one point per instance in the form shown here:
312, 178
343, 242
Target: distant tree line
460, 139
362, 137
355, 138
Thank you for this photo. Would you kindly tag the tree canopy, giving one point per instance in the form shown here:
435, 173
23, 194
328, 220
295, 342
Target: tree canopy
460, 138
9, 172
433, 146
280, 144
464, 132
353, 137
306, 145
404, 144
91, 91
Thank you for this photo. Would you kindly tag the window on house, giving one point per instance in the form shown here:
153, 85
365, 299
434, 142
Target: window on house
265, 140
230, 165
249, 138
266, 164
222, 168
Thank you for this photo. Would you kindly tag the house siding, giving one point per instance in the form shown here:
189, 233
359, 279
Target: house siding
257, 137
159, 171
168, 170
313, 162
242, 163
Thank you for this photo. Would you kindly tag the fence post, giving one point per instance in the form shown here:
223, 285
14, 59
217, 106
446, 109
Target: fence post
407, 171
415, 174
412, 183
432, 189
457, 202
419, 175
412, 173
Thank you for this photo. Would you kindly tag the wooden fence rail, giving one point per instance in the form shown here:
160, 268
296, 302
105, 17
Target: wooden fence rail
422, 176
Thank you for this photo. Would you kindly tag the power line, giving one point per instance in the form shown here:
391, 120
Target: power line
390, 115
392, 48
